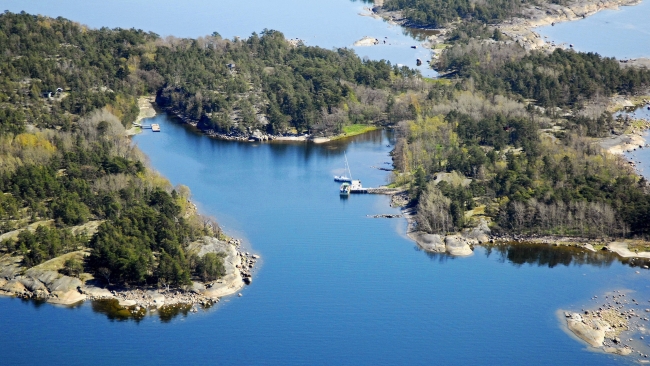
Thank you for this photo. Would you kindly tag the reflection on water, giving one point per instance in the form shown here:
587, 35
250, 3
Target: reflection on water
114, 311
544, 255
419, 34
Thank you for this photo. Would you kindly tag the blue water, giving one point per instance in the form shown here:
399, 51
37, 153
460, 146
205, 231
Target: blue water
324, 23
623, 33
640, 156
334, 287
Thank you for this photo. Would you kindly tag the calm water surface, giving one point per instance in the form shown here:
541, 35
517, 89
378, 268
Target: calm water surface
334, 287
622, 33
324, 23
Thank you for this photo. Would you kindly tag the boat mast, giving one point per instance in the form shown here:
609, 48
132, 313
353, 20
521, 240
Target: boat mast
347, 165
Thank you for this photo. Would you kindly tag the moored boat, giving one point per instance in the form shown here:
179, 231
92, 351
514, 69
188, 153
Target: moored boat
344, 178
345, 189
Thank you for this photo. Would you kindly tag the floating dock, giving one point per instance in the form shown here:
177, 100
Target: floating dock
356, 187
153, 127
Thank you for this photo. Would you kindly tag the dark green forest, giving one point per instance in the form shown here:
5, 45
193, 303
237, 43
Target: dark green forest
65, 163
560, 79
63, 180
60, 69
438, 13
270, 84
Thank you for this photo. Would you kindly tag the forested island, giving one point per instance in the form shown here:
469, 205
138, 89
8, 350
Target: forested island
465, 13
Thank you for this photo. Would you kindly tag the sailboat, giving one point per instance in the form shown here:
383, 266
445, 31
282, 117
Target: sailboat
344, 178
345, 187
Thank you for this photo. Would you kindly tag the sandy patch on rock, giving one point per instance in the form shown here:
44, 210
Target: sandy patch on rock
620, 144
621, 249
70, 297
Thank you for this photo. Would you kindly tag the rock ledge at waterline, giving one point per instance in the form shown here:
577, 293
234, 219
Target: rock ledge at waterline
456, 244
55, 288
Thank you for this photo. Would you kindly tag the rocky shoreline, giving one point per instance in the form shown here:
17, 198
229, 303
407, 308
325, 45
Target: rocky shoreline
53, 287
521, 29
463, 242
634, 138
250, 136
45, 282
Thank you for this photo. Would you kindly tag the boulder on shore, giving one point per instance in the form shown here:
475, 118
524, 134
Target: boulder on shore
47, 277
430, 242
127, 303
14, 286
158, 298
32, 284
197, 287
97, 292
69, 297
479, 234
65, 284
457, 246
593, 334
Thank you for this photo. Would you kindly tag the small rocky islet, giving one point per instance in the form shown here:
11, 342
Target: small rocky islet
619, 325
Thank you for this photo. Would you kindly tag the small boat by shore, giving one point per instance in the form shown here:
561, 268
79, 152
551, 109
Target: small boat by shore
345, 189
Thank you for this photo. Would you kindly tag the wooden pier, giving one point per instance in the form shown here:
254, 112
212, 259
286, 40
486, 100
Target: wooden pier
153, 127
356, 187
378, 190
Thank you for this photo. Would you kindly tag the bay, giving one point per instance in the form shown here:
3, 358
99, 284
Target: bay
334, 286
623, 33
